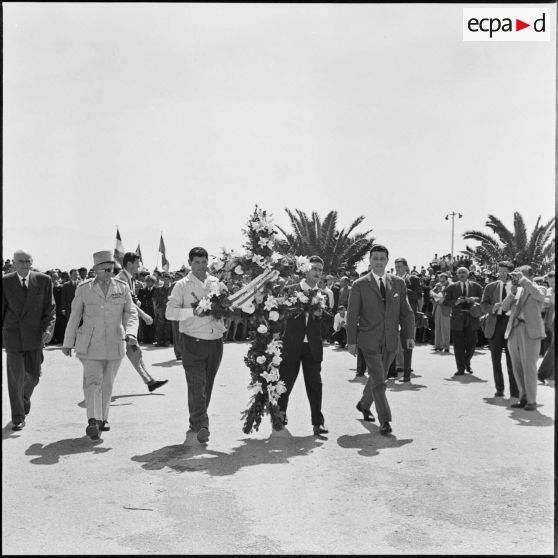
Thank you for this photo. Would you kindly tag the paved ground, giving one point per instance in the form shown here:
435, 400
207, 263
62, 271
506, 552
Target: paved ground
461, 474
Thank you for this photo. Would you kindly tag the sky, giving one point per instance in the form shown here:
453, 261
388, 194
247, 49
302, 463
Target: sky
179, 118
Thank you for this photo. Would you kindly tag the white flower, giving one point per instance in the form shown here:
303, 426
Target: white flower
248, 307
270, 376
261, 359
280, 387
302, 297
275, 257
273, 316
276, 361
270, 303
238, 270
204, 304
319, 300
262, 329
303, 264
274, 347
262, 242
248, 254
257, 387
218, 264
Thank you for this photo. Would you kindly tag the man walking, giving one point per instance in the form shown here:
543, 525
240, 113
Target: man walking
201, 339
524, 333
378, 306
28, 318
109, 315
495, 327
130, 266
302, 344
460, 297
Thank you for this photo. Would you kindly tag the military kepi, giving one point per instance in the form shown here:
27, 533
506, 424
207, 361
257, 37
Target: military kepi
105, 256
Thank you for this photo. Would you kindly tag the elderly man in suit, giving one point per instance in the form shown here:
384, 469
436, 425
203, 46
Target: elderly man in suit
378, 306
109, 317
130, 266
461, 297
28, 318
524, 333
302, 344
495, 327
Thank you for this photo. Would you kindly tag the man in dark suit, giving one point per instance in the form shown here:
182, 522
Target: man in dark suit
28, 318
378, 306
302, 344
461, 297
68, 293
145, 297
495, 327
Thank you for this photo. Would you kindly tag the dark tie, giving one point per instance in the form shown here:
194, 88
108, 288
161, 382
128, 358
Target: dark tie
504, 292
464, 289
24, 285
383, 290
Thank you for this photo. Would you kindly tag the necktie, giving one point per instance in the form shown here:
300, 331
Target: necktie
383, 290
24, 285
464, 289
504, 292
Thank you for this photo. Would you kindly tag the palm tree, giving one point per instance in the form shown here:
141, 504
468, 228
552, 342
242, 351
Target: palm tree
312, 236
536, 249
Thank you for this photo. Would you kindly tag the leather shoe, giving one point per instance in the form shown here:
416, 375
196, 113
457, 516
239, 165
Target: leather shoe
320, 429
203, 435
104, 425
459, 373
469, 370
446, 350
18, 425
360, 375
92, 429
405, 379
154, 384
499, 394
385, 429
519, 404
530, 407
366, 414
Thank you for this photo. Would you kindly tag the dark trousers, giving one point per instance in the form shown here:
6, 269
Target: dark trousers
361, 363
176, 341
464, 342
201, 359
407, 356
163, 330
340, 336
546, 368
288, 371
24, 371
497, 343
146, 332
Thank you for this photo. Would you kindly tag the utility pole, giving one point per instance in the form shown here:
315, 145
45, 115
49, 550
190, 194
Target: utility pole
453, 214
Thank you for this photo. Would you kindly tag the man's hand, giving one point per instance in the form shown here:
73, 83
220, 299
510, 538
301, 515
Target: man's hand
460, 300
131, 340
148, 319
496, 307
63, 312
67, 352
138, 304
352, 349
410, 343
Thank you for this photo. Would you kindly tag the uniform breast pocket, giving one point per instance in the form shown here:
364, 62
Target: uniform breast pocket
83, 340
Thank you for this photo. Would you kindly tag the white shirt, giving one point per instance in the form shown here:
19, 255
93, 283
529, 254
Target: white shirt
22, 278
378, 277
339, 321
329, 293
466, 283
501, 291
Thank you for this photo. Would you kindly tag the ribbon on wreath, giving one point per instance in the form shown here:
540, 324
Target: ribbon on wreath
247, 293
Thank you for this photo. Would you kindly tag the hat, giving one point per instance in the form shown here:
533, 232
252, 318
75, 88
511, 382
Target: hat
102, 257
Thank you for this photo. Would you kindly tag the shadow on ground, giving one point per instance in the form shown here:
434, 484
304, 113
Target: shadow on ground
51, 453
405, 386
530, 418
8, 433
466, 379
370, 443
116, 397
182, 458
168, 363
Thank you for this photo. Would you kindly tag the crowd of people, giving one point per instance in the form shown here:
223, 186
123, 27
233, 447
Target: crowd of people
452, 302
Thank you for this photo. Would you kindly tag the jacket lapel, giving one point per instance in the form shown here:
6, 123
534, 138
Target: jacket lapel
32, 286
374, 286
389, 288
17, 288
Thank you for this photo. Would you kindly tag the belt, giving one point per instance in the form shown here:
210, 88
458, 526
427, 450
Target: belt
197, 339
521, 320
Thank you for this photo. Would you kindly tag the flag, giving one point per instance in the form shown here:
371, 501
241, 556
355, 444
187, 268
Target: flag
119, 248
164, 262
138, 252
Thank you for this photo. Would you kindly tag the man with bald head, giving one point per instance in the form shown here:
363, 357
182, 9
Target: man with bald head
28, 317
461, 297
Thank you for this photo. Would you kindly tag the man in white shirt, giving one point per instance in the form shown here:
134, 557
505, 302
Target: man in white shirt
495, 327
340, 327
201, 340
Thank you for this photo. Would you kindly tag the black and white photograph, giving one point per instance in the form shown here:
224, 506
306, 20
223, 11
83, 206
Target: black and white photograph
278, 278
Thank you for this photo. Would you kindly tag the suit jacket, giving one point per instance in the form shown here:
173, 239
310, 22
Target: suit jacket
145, 296
374, 326
490, 296
106, 319
25, 318
295, 331
67, 295
414, 290
460, 313
530, 303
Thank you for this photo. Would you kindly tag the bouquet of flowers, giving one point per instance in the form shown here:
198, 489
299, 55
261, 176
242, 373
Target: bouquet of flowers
216, 303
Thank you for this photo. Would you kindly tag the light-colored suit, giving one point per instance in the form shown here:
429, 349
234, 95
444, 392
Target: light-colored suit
99, 341
374, 327
524, 333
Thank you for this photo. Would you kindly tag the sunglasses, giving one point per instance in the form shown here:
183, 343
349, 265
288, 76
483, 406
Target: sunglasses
106, 269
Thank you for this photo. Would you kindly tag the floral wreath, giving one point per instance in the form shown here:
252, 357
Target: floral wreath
259, 277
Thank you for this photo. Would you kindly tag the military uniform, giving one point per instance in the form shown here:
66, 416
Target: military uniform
99, 341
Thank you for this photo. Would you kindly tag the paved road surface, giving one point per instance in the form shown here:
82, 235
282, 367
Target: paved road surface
462, 473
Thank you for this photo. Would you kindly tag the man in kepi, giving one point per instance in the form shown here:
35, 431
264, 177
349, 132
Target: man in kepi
378, 305
109, 319
201, 340
28, 317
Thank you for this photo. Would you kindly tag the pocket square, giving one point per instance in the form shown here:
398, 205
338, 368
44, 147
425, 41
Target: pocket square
395, 295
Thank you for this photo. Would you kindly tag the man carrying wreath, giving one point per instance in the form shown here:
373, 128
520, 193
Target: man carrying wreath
201, 338
302, 344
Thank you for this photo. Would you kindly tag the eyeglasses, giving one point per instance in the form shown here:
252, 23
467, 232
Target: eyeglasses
107, 269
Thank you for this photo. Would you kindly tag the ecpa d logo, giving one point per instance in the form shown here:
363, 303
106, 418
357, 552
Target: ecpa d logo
506, 24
